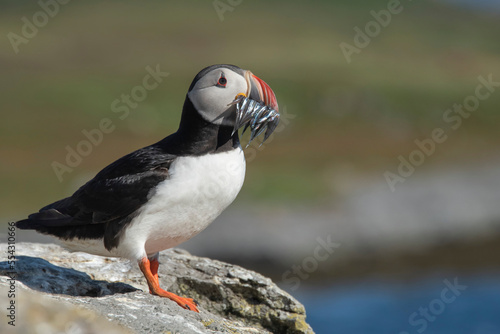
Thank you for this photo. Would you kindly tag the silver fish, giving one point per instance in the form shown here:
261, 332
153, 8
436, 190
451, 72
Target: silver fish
258, 117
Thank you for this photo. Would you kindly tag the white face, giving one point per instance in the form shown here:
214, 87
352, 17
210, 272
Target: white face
214, 91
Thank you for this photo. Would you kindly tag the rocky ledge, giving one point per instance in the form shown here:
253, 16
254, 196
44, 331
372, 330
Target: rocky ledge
76, 292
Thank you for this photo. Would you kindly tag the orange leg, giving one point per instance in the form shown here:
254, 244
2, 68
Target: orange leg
153, 265
150, 271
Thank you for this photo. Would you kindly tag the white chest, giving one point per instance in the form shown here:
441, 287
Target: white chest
197, 191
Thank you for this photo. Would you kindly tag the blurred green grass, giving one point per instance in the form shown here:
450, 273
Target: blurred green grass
358, 116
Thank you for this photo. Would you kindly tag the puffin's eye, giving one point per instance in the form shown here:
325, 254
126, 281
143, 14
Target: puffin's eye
222, 82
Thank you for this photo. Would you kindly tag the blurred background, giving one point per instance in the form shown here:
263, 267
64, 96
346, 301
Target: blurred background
342, 207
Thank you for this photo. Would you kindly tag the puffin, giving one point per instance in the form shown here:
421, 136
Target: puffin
161, 195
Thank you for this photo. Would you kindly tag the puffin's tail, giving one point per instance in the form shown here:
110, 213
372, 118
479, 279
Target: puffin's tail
44, 219
54, 223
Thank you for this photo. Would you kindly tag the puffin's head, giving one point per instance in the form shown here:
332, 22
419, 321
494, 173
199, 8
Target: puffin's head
215, 88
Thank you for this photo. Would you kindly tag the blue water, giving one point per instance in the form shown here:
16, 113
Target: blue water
384, 307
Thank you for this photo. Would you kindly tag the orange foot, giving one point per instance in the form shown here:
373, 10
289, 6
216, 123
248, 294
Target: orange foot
187, 303
150, 271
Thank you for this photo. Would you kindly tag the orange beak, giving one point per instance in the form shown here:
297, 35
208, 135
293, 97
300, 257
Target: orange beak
260, 91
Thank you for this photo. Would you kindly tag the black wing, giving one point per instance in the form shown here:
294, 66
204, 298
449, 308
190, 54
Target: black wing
107, 203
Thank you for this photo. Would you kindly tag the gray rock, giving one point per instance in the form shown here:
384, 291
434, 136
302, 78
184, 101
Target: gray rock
232, 299
35, 313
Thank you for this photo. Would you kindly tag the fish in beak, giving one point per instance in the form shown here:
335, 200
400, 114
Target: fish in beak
257, 108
